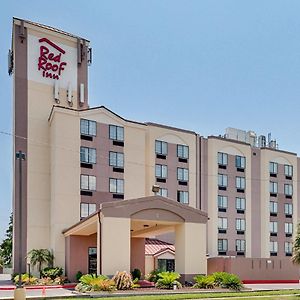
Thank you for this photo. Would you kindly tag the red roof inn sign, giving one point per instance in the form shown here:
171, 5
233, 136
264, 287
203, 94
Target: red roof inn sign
51, 63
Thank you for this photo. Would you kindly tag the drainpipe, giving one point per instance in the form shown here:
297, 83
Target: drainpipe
99, 245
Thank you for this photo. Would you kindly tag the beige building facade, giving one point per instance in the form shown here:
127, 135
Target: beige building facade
96, 185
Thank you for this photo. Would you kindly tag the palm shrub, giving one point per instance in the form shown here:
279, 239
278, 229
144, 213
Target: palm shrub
92, 282
232, 281
219, 278
204, 282
123, 281
167, 280
40, 257
52, 272
153, 276
296, 247
26, 279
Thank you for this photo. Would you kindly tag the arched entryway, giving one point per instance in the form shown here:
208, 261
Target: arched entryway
120, 229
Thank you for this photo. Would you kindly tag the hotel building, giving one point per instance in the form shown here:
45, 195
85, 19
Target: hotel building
96, 186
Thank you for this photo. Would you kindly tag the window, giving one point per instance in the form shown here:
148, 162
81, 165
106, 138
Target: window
183, 151
163, 192
240, 183
273, 247
273, 167
222, 180
183, 197
222, 201
240, 203
88, 127
88, 182
222, 245
273, 187
288, 248
116, 133
240, 224
116, 186
288, 208
161, 171
273, 227
240, 245
288, 170
288, 228
116, 159
182, 174
273, 207
161, 147
240, 162
222, 223
288, 189
88, 155
222, 159
87, 209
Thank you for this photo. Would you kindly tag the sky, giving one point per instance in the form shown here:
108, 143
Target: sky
202, 65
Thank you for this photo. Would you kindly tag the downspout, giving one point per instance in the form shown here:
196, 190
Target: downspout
100, 243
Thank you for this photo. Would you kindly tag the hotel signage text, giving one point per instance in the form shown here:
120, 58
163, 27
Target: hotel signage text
50, 61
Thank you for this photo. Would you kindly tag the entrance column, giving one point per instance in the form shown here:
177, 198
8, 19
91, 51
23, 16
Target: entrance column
190, 253
99, 247
115, 245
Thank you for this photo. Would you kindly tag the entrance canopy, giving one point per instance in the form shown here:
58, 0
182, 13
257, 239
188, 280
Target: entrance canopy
120, 228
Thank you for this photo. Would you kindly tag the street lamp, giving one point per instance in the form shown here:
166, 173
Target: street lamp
20, 292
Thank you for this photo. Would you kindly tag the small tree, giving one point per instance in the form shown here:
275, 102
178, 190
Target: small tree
40, 257
296, 247
6, 245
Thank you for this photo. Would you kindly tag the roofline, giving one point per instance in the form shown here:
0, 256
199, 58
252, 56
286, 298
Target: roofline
50, 28
171, 127
247, 144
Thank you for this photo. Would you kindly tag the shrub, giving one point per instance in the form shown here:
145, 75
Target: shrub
78, 275
204, 282
52, 272
167, 280
123, 281
219, 278
91, 283
153, 276
232, 281
136, 274
26, 279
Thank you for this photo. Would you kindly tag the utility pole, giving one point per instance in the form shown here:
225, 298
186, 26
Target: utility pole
21, 294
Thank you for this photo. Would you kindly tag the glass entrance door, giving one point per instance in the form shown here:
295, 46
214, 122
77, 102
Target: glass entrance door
92, 260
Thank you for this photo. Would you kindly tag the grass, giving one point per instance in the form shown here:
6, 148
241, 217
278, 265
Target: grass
287, 294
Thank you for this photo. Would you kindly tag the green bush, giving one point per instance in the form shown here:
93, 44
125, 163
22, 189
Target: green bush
78, 275
26, 279
167, 280
204, 282
52, 272
92, 282
218, 279
136, 274
153, 276
232, 281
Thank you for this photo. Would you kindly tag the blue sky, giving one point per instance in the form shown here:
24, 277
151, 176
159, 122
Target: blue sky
202, 65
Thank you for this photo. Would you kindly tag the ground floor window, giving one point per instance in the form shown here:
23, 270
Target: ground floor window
166, 265
92, 260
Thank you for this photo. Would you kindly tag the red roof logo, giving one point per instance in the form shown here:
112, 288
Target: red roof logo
50, 61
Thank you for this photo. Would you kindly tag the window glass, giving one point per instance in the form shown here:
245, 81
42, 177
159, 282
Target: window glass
273, 167
161, 147
163, 192
116, 159
222, 180
183, 151
240, 203
222, 223
288, 208
183, 197
182, 174
273, 187
240, 182
240, 162
116, 133
273, 227
288, 170
288, 189
116, 186
240, 224
161, 171
273, 207
222, 158
222, 201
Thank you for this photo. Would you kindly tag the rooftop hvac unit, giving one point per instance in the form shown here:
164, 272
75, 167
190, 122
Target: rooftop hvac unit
262, 141
272, 144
